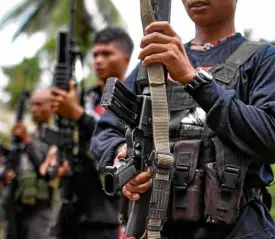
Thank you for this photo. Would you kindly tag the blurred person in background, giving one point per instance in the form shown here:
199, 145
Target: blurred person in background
111, 52
35, 194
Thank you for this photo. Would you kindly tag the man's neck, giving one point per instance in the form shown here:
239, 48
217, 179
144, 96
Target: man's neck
36, 133
213, 33
38, 126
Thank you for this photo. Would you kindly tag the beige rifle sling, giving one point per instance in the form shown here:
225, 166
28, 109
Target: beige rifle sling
162, 159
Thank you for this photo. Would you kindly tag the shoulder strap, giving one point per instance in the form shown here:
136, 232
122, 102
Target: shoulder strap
162, 159
246, 50
226, 74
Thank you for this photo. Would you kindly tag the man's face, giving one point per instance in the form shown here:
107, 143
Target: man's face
109, 60
207, 12
41, 109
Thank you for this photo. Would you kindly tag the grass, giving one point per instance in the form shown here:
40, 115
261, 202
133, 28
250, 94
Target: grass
271, 189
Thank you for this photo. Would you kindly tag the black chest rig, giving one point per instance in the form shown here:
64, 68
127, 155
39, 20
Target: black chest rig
209, 176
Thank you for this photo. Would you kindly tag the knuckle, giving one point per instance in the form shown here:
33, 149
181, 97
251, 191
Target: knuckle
154, 35
129, 187
166, 23
152, 46
177, 41
172, 47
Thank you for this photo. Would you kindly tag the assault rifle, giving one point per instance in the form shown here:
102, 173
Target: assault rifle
135, 112
67, 51
128, 108
13, 161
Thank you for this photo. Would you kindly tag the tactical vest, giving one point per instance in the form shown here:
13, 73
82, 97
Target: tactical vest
31, 187
208, 176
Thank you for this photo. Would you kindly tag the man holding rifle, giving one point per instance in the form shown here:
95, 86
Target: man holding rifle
111, 53
222, 129
35, 195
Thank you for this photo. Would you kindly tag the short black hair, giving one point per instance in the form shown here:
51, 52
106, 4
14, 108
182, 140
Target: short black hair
115, 34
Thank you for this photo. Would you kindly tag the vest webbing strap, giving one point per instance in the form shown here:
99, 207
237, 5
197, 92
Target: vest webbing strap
227, 73
162, 159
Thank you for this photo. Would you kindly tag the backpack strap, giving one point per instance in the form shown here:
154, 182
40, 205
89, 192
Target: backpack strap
226, 74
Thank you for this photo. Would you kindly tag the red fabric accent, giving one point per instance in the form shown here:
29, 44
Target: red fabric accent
99, 110
125, 237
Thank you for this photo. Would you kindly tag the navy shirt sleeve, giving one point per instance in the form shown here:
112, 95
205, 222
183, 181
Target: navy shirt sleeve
109, 131
251, 126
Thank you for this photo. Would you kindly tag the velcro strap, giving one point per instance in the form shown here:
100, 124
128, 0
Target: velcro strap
231, 170
163, 164
228, 165
186, 156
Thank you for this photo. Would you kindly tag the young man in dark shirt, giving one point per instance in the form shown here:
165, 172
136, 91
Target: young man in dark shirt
242, 118
111, 52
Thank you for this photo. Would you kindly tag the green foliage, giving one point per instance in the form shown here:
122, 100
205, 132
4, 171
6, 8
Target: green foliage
25, 74
49, 16
268, 42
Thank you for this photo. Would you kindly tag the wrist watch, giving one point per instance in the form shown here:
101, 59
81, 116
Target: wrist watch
201, 78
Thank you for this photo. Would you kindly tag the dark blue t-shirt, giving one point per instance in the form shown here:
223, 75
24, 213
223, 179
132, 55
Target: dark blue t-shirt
244, 117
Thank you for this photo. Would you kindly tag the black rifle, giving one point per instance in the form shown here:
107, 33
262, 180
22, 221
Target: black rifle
135, 112
67, 52
62, 137
12, 163
128, 108
13, 159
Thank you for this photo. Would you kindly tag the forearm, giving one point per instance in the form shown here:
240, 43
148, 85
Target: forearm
87, 124
250, 128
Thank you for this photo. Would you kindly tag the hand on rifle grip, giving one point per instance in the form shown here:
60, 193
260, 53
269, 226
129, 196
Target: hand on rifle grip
121, 153
9, 176
64, 170
66, 103
50, 160
19, 130
139, 184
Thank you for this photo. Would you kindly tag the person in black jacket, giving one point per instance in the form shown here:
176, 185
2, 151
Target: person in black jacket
112, 49
34, 196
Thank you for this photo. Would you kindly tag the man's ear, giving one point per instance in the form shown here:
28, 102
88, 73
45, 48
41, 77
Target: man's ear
127, 59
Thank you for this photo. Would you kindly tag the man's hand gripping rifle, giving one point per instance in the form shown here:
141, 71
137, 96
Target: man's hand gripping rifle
13, 161
135, 112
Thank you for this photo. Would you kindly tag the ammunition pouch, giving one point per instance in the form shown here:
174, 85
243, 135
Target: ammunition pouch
224, 185
27, 191
188, 182
32, 189
212, 193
